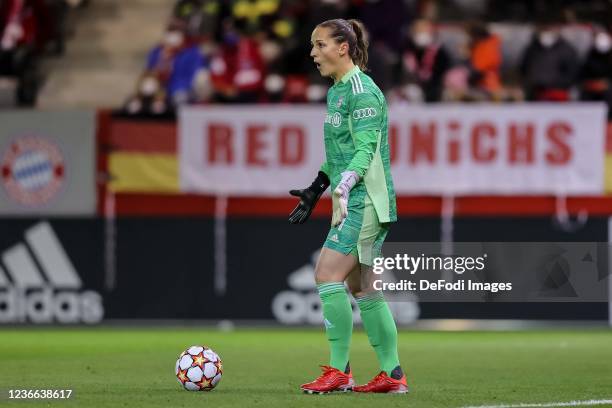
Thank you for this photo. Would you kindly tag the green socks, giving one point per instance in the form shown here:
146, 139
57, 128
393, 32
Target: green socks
380, 327
338, 319
377, 321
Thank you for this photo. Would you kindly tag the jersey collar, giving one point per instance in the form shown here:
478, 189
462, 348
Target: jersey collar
349, 74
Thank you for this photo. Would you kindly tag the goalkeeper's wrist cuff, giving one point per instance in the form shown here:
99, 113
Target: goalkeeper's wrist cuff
350, 178
320, 184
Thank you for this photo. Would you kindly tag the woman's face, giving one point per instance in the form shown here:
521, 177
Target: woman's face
326, 52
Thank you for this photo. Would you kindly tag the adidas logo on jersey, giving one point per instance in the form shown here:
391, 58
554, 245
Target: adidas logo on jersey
54, 296
334, 238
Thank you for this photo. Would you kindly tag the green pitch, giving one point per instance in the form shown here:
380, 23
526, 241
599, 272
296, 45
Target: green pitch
263, 368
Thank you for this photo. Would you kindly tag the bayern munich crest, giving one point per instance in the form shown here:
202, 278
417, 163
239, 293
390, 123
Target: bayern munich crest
33, 170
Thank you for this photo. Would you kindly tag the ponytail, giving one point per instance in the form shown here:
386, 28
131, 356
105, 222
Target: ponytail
360, 55
355, 34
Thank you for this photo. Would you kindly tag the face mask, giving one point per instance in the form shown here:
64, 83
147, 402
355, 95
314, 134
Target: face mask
603, 43
173, 38
274, 83
149, 86
548, 38
270, 50
422, 39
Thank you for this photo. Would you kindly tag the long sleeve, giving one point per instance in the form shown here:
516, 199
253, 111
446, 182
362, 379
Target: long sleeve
365, 147
366, 122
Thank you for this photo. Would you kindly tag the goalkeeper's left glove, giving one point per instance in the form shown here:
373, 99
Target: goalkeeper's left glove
340, 196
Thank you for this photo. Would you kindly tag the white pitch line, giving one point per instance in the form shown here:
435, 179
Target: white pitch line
548, 404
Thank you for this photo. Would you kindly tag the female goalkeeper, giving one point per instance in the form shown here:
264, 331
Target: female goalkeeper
357, 167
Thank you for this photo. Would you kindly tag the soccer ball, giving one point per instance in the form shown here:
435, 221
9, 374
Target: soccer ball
199, 369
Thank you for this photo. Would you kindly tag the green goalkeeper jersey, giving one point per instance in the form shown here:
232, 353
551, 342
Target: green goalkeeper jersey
356, 139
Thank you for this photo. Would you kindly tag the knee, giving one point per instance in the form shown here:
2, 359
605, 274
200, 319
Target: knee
325, 274
320, 275
333, 266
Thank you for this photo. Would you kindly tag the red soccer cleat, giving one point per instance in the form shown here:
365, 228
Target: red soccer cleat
382, 383
332, 380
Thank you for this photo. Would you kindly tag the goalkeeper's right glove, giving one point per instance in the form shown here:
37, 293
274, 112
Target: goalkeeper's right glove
308, 199
340, 196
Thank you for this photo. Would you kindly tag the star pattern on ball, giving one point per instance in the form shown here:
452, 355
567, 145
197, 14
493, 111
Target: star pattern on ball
199, 360
203, 383
182, 375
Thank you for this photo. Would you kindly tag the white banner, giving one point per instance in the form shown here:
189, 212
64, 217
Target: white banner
249, 149
435, 149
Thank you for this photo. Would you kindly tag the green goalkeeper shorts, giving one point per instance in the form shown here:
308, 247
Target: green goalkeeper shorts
360, 234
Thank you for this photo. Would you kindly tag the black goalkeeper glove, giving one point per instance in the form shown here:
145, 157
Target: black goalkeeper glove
308, 199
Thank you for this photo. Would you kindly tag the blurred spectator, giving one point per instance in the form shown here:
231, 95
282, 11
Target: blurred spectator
250, 70
485, 59
424, 62
58, 10
296, 89
24, 30
596, 73
169, 76
549, 66
24, 23
259, 52
237, 70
